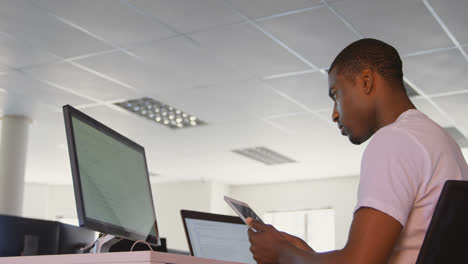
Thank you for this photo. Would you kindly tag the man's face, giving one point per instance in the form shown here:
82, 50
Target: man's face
351, 110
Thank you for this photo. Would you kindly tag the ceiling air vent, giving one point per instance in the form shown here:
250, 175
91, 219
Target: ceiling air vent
264, 155
161, 113
409, 90
457, 136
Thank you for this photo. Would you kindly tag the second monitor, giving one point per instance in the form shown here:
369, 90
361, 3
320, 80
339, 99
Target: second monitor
214, 236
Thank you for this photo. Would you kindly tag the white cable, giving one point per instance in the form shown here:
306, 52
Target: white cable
141, 241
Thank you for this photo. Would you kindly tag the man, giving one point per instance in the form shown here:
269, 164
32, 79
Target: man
403, 168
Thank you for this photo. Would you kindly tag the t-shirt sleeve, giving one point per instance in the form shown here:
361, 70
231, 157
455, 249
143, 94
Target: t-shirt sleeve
391, 166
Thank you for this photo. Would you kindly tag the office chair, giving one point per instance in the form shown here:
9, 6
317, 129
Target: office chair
446, 239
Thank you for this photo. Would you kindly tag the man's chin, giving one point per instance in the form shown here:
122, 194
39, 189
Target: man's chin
355, 141
358, 140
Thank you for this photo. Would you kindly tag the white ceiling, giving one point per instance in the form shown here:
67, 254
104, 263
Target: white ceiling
252, 69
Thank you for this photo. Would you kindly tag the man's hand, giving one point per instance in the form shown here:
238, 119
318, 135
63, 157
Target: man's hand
297, 242
266, 243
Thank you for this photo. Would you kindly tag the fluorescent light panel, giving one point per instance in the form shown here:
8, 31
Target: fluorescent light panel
264, 155
161, 113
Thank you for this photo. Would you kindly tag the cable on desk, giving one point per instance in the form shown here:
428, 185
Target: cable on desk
141, 241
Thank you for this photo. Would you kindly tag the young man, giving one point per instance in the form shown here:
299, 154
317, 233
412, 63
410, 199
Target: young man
403, 169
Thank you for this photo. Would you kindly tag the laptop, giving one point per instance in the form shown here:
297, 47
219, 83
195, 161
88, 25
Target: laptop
215, 236
446, 239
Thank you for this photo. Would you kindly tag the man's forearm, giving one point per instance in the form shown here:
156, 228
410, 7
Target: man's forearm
294, 255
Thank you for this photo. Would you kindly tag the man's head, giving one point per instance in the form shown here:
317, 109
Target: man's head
358, 79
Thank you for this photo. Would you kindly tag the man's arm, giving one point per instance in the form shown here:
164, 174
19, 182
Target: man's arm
372, 236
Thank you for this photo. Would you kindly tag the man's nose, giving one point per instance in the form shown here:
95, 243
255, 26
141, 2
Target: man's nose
335, 115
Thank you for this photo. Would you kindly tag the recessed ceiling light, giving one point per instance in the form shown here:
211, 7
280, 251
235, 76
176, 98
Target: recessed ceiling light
161, 113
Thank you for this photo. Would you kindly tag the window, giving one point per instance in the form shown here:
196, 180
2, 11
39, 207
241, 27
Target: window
316, 226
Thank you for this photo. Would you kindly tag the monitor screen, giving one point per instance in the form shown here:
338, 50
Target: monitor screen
110, 178
217, 237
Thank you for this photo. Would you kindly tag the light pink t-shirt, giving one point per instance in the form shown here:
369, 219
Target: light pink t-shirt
403, 170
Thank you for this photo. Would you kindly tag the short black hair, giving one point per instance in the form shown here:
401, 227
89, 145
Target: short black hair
369, 53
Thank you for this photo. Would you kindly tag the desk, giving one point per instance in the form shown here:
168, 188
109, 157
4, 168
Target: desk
138, 257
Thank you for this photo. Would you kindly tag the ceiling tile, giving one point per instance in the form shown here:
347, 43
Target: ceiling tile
307, 34
302, 124
326, 114
262, 8
184, 64
428, 109
438, 72
189, 15
407, 25
312, 140
81, 81
455, 106
109, 19
33, 26
232, 102
309, 89
16, 54
22, 99
454, 15
166, 66
249, 50
126, 69
3, 69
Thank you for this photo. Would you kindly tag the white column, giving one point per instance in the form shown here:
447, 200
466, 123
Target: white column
13, 148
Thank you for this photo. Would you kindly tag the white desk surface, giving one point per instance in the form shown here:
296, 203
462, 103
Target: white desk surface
137, 257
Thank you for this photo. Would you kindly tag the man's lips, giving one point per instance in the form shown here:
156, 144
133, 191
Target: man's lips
341, 127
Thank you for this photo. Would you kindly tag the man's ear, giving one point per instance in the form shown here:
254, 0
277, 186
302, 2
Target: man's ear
367, 80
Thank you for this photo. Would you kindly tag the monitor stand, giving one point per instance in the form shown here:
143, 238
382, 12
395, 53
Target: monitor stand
104, 243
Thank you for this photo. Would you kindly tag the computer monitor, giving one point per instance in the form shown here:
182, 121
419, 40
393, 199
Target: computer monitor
215, 236
110, 179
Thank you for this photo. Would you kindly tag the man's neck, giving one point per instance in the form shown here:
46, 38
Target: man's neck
391, 107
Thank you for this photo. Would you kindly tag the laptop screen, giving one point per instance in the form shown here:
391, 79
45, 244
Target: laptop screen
218, 237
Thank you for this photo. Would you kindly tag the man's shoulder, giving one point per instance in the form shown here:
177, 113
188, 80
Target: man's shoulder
413, 126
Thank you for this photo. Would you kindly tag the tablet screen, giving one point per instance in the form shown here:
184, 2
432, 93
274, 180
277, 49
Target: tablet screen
246, 211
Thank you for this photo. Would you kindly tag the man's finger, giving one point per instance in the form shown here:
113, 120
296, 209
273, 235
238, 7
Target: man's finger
256, 225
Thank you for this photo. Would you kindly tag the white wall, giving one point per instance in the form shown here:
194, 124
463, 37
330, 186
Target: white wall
50, 201
44, 201
339, 193
170, 198
217, 203
36, 201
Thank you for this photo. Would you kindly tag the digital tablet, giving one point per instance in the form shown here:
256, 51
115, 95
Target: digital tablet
242, 209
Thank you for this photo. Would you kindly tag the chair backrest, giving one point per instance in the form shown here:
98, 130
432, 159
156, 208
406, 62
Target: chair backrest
446, 240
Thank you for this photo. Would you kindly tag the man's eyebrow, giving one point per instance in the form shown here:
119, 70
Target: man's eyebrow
330, 92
